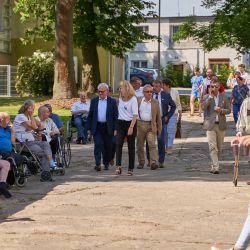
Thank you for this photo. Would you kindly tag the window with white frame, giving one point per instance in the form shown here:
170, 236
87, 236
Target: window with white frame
139, 64
142, 28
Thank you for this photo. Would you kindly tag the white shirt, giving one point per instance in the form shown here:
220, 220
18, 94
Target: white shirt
139, 92
145, 110
50, 126
102, 110
159, 100
127, 109
216, 99
80, 106
22, 134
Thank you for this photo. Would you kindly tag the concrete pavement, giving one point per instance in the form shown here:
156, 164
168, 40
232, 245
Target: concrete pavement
182, 206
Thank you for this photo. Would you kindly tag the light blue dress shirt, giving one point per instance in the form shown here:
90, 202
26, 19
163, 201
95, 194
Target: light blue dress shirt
102, 110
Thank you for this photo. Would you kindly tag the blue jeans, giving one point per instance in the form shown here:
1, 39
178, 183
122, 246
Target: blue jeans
161, 145
244, 239
236, 109
170, 130
80, 127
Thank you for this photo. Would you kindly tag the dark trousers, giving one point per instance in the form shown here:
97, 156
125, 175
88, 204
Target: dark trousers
54, 144
161, 145
122, 131
103, 145
80, 127
113, 147
236, 110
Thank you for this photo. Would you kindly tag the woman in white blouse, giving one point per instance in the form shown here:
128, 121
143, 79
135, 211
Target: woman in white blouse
126, 125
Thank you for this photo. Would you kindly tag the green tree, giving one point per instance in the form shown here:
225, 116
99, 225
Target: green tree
230, 26
52, 19
109, 24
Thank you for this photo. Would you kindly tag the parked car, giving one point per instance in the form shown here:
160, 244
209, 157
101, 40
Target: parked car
154, 72
146, 77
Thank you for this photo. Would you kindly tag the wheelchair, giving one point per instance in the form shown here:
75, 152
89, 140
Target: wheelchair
21, 168
71, 128
62, 156
33, 163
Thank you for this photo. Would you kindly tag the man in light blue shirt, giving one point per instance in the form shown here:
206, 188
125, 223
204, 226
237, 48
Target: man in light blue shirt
101, 123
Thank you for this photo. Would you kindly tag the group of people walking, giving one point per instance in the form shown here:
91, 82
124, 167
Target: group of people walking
140, 114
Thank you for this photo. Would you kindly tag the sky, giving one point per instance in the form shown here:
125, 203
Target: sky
170, 8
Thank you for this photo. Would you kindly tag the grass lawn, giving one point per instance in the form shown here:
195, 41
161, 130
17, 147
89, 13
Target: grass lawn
12, 105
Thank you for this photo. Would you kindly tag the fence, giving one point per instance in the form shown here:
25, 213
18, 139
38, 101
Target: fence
7, 80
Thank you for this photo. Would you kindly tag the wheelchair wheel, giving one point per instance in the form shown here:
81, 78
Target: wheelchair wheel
66, 153
20, 181
69, 131
21, 174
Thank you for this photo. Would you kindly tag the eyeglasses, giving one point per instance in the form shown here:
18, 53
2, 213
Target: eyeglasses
148, 91
101, 91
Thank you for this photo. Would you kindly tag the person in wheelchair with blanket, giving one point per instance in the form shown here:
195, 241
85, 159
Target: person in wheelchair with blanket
25, 125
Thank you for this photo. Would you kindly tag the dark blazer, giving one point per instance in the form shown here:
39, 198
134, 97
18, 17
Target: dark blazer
166, 102
208, 105
111, 115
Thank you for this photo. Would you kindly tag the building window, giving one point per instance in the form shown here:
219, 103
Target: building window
216, 63
142, 28
139, 64
1, 15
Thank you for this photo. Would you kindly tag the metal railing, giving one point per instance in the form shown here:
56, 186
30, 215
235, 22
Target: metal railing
7, 80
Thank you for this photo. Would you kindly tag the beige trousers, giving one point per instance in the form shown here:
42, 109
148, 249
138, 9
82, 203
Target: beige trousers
144, 132
215, 139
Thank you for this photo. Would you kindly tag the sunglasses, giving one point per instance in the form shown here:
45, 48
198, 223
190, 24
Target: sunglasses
148, 91
101, 91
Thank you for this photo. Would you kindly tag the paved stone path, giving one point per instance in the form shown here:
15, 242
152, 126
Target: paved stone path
182, 206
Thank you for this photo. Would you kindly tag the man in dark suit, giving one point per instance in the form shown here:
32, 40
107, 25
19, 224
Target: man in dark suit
101, 123
167, 109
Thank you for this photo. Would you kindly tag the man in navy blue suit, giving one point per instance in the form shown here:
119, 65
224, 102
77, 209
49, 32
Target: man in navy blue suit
167, 109
101, 123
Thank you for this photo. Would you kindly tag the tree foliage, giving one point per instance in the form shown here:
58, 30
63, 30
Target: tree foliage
230, 26
109, 24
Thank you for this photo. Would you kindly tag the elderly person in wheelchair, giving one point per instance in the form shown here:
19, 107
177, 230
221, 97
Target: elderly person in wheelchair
4, 165
25, 125
51, 132
80, 112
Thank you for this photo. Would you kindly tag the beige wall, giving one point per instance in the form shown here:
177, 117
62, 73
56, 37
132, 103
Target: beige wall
4, 58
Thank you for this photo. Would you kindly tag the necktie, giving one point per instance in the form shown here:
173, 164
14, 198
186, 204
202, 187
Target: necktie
156, 96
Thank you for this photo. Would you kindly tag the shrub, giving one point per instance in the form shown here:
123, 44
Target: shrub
176, 76
35, 74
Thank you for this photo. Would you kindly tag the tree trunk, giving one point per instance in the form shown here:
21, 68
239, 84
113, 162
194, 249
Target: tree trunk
64, 78
90, 69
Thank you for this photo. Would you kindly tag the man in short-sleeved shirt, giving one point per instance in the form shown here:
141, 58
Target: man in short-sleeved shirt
80, 111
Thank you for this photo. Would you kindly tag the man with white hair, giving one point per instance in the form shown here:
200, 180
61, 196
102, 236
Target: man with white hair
80, 111
101, 123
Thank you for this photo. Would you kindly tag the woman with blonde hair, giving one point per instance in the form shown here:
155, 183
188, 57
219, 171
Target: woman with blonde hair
126, 125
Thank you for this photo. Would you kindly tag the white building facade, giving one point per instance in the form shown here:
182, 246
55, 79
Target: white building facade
183, 54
